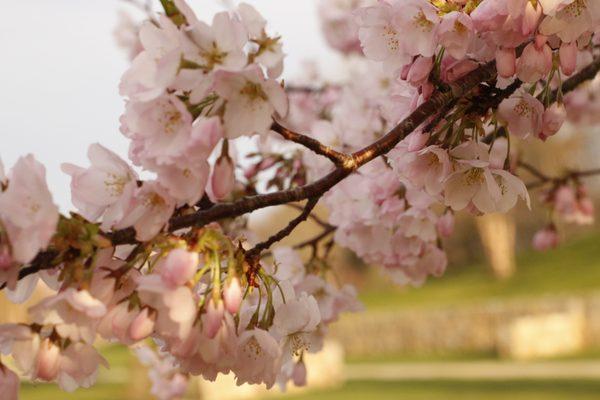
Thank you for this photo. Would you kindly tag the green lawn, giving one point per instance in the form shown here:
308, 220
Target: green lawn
573, 268
458, 390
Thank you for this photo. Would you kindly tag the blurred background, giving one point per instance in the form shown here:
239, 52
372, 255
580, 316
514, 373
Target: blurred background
504, 322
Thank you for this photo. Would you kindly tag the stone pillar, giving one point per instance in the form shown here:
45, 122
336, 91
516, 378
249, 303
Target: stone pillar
497, 232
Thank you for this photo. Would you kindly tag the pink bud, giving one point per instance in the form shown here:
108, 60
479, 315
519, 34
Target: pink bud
417, 140
420, 70
9, 384
427, 90
212, 318
506, 62
5, 259
445, 225
530, 19
564, 199
299, 374
586, 206
223, 178
535, 63
546, 239
568, 58
143, 325
232, 296
178, 267
553, 119
48, 361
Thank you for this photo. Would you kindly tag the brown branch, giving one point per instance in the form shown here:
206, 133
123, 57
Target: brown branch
312, 216
315, 241
438, 101
533, 171
545, 179
312, 144
256, 250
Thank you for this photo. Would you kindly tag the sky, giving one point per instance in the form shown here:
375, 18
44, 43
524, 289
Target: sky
60, 71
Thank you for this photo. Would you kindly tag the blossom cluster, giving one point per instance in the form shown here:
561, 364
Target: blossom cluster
203, 300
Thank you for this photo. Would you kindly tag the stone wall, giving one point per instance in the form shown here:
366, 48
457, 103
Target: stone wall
478, 328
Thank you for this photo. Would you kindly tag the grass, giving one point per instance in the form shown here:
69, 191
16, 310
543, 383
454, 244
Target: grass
572, 269
458, 390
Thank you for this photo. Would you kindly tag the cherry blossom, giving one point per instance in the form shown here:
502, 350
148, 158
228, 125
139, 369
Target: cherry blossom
105, 189
27, 211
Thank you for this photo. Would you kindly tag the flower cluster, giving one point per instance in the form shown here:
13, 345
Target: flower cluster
202, 297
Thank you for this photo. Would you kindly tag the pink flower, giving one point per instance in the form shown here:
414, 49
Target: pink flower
154, 69
27, 211
546, 239
296, 322
105, 189
394, 31
456, 33
212, 319
126, 35
150, 211
218, 46
553, 119
289, 265
426, 169
143, 325
445, 225
339, 26
79, 366
176, 308
523, 115
490, 15
178, 267
535, 63
251, 101
74, 313
480, 182
571, 20
9, 383
258, 358
161, 129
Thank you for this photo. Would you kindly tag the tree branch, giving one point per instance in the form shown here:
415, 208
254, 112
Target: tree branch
438, 101
312, 144
310, 205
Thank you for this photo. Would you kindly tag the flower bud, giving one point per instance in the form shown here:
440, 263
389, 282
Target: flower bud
178, 267
143, 325
568, 58
5, 259
232, 296
445, 225
506, 62
546, 239
211, 320
9, 384
48, 361
553, 119
299, 374
223, 178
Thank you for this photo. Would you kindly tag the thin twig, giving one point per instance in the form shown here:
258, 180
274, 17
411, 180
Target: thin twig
312, 216
312, 144
256, 250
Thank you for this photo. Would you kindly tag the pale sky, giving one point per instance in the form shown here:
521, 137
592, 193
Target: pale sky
60, 69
